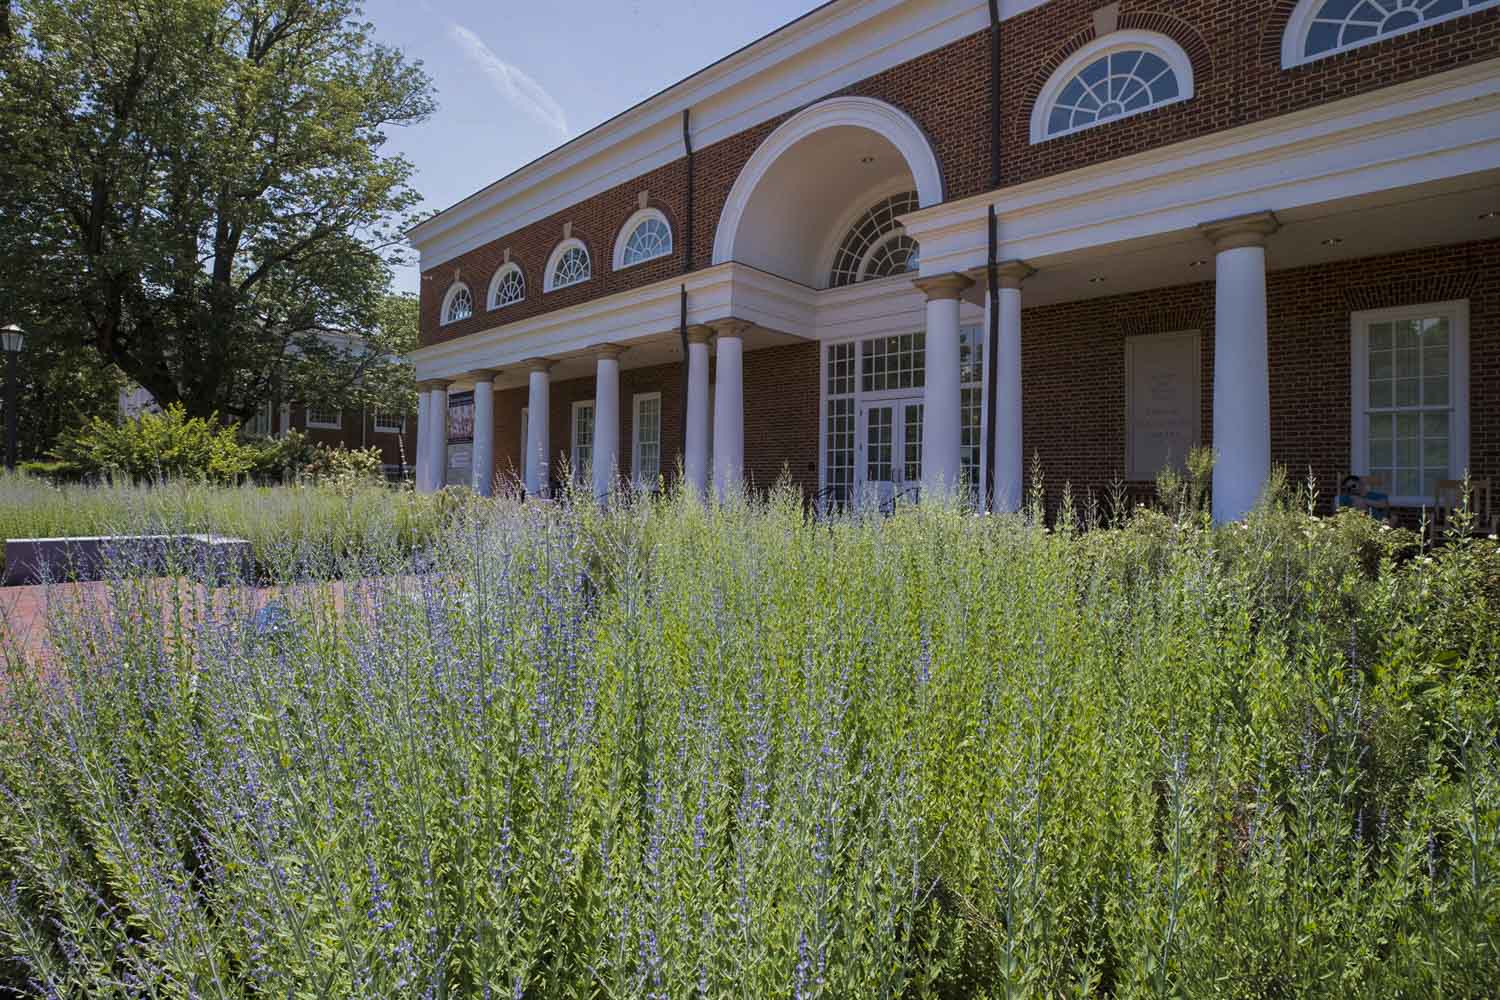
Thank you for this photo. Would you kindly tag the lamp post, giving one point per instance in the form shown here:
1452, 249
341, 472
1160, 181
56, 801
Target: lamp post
12, 339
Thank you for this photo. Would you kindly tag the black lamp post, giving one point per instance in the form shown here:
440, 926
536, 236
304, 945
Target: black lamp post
12, 339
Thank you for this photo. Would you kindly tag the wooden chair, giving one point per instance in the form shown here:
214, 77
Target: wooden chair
1449, 497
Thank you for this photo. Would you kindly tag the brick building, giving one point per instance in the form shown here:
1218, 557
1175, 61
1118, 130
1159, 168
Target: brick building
903, 242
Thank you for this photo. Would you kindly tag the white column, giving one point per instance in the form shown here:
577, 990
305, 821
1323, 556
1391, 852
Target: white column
539, 440
695, 447
1009, 458
438, 447
606, 420
940, 406
484, 433
424, 439
1242, 382
729, 407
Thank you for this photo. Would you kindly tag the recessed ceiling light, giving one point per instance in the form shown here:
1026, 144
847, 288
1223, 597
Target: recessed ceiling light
1487, 216
1097, 279
1197, 263
867, 160
1333, 241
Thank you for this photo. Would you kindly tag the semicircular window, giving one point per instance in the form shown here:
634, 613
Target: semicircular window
1113, 86
875, 246
510, 287
1337, 25
572, 267
460, 305
651, 239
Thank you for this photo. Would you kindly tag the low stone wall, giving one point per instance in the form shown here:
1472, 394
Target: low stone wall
31, 561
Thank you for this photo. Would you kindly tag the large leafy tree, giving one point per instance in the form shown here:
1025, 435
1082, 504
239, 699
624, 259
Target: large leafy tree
196, 191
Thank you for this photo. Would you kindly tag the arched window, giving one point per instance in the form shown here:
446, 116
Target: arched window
569, 265
875, 246
508, 286
1319, 28
646, 236
458, 304
1122, 74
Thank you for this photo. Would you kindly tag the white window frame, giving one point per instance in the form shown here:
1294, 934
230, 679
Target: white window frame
388, 428
1300, 24
1457, 314
581, 474
634, 223
500, 274
448, 298
550, 279
322, 425
635, 438
1118, 41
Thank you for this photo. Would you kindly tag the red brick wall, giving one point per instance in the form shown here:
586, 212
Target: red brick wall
781, 403
1235, 46
1073, 354
358, 431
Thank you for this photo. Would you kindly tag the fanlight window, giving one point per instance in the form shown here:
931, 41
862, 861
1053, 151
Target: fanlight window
509, 287
460, 304
1113, 86
1323, 27
571, 266
875, 246
650, 239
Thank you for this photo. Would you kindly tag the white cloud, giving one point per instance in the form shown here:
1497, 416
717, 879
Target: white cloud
514, 85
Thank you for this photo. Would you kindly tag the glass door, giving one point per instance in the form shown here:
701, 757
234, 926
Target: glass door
889, 463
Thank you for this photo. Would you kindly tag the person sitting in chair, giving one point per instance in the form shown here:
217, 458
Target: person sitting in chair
1355, 495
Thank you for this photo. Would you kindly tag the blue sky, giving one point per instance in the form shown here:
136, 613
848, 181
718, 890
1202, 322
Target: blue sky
515, 79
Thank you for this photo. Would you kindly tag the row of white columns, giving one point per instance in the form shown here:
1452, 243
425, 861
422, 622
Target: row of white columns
1241, 392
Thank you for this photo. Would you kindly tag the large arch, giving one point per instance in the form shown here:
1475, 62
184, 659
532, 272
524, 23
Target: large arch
820, 162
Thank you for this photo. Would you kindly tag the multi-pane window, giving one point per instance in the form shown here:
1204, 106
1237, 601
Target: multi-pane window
897, 362
650, 239
646, 457
510, 287
866, 252
460, 305
259, 425
389, 421
321, 415
1320, 28
879, 443
583, 440
839, 433
572, 267
525, 451
971, 404
1113, 86
1409, 403
911, 444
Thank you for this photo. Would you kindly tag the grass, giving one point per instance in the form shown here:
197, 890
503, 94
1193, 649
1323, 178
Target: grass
671, 750
277, 520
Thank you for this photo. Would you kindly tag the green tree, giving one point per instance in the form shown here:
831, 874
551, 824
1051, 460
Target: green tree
196, 191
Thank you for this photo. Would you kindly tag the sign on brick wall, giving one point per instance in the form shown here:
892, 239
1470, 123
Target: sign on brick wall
1164, 381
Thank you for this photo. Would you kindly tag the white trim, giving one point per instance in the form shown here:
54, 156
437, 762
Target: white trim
891, 123
448, 298
549, 276
1299, 26
311, 424
628, 230
1150, 41
381, 428
1457, 313
581, 474
635, 438
500, 273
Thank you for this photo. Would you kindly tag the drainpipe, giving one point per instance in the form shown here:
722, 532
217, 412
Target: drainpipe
992, 374
687, 265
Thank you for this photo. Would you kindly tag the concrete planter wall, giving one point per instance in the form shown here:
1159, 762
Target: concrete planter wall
52, 560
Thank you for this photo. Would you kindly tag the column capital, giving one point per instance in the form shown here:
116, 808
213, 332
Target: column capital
734, 328
944, 286
483, 374
433, 385
1240, 231
543, 365
699, 333
1010, 273
607, 352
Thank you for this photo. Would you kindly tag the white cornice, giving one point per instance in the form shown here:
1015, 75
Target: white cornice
834, 46
1393, 137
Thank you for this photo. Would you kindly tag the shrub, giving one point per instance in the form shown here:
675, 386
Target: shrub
670, 749
155, 446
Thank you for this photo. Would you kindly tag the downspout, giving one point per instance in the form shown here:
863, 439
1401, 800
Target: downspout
992, 374
687, 265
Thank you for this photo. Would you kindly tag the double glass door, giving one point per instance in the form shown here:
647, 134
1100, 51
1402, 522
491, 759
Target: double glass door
889, 460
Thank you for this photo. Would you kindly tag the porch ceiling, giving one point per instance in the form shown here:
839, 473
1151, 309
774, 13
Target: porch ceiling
1446, 212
